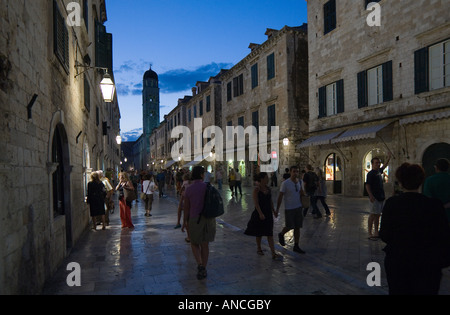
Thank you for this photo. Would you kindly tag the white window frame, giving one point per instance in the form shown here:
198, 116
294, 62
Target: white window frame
439, 69
331, 99
375, 85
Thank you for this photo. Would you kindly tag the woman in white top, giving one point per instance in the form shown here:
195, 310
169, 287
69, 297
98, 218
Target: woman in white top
148, 187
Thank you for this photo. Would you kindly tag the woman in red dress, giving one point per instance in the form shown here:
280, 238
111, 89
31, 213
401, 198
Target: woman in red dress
125, 206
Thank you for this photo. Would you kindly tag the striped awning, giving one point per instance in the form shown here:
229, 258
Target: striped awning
424, 118
319, 140
360, 133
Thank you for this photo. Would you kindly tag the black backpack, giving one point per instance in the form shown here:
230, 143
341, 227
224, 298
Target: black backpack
213, 206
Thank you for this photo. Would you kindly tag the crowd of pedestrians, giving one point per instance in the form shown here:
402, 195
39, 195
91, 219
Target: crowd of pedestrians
415, 222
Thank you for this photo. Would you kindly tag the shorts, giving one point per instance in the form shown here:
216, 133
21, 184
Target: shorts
293, 218
203, 231
376, 207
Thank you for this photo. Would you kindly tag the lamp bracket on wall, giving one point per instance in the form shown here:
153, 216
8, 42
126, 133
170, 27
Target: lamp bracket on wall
86, 68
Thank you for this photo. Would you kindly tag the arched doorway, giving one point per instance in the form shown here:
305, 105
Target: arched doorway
333, 172
61, 179
432, 154
367, 165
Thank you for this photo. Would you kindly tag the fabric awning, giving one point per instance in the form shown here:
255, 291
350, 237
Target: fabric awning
196, 161
360, 133
319, 140
424, 118
170, 163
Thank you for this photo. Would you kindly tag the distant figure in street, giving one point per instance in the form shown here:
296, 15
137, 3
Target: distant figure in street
109, 193
311, 181
219, 178
148, 187
125, 205
231, 181
186, 184
96, 199
375, 189
261, 221
417, 237
274, 179
161, 180
438, 185
290, 190
320, 193
238, 182
287, 173
203, 231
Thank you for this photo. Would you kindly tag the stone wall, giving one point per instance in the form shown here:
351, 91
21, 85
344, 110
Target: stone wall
33, 241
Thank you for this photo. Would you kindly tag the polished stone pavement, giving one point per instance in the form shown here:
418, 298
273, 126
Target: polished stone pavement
154, 259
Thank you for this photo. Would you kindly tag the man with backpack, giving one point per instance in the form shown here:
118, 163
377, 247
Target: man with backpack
202, 229
311, 181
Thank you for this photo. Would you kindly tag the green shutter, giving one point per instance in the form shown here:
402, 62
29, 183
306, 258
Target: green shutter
323, 102
421, 79
388, 93
362, 89
340, 96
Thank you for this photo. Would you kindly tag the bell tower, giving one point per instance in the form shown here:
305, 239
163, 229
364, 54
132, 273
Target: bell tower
150, 102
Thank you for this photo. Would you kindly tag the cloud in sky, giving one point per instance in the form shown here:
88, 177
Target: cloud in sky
182, 79
172, 81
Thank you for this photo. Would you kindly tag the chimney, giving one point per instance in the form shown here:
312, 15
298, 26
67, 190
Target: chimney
194, 91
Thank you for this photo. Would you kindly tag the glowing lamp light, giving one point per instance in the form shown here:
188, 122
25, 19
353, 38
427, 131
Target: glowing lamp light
107, 86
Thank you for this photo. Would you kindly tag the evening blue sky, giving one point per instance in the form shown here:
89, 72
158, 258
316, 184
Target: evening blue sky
185, 41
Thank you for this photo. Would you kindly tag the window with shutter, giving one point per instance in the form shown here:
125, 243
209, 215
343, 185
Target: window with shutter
421, 70
322, 102
103, 47
362, 89
87, 94
271, 66
439, 65
254, 75
271, 121
331, 99
375, 86
60, 37
329, 14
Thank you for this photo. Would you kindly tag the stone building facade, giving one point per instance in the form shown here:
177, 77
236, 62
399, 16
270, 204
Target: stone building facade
377, 89
55, 129
269, 87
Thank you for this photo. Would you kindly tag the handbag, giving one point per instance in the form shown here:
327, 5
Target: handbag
306, 201
129, 194
144, 194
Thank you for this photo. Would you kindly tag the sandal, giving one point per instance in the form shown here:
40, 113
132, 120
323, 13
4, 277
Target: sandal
260, 252
276, 256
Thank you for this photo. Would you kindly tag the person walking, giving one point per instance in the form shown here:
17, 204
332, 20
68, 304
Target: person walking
219, 178
96, 193
417, 237
273, 179
203, 231
290, 190
161, 180
231, 181
311, 180
438, 185
109, 193
148, 187
125, 186
186, 183
375, 189
261, 221
238, 182
320, 194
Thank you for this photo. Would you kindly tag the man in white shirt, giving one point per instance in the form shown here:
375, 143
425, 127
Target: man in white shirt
290, 190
